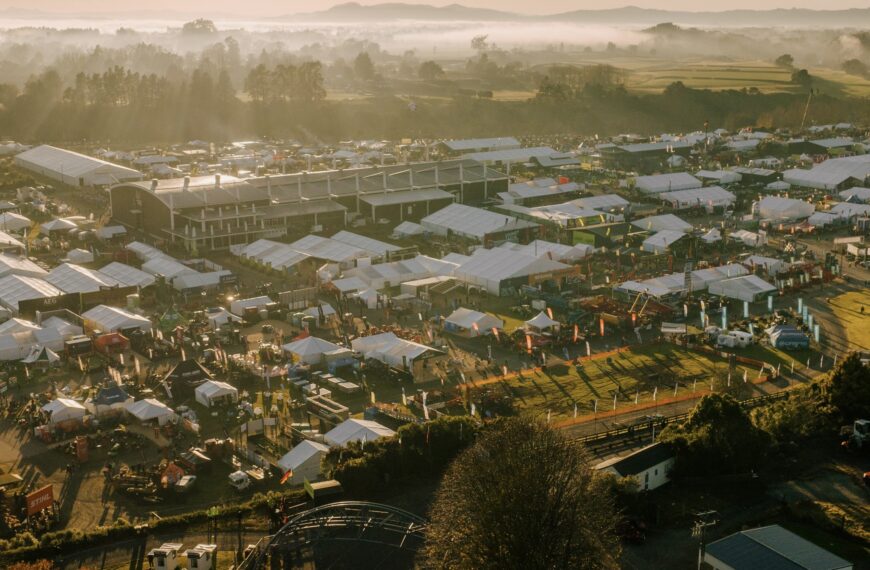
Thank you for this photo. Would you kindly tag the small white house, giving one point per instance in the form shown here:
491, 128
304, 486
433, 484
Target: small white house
165, 557
214, 392
304, 461
650, 466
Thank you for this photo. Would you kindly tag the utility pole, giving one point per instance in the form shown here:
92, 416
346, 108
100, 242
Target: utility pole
702, 521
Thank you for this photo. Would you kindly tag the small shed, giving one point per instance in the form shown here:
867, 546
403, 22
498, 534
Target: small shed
650, 467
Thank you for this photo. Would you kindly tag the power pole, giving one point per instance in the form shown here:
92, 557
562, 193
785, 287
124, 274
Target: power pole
702, 521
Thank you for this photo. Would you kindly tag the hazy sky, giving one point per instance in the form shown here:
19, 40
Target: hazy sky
277, 7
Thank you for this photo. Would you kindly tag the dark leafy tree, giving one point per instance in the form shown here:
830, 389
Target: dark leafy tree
363, 66
430, 70
522, 497
785, 60
718, 437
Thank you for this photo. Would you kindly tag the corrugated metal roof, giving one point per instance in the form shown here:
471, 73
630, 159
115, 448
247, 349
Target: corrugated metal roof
773, 548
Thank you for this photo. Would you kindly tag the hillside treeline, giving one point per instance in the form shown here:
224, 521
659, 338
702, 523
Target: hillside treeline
119, 106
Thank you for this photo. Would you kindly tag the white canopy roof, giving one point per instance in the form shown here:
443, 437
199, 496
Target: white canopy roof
212, 389
468, 318
12, 222
389, 348
16, 288
71, 278
62, 409
39, 352
661, 241
745, 288
127, 275
657, 183
10, 265
149, 409
541, 321
297, 456
356, 430
109, 319
57, 224
662, 222
309, 346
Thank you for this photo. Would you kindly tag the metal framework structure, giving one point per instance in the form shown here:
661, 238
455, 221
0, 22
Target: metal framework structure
390, 530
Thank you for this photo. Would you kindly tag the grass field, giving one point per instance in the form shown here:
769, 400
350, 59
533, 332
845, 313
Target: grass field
855, 325
635, 373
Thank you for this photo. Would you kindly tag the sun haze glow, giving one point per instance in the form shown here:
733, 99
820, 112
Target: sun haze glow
284, 7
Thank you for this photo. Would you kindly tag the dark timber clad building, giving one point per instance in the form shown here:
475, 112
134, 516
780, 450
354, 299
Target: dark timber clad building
217, 211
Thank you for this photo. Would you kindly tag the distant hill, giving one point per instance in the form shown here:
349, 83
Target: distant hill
354, 12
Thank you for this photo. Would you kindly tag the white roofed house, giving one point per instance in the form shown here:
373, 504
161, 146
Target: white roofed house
356, 430
658, 183
479, 225
849, 211
303, 461
709, 198
72, 168
114, 319
467, 322
10, 243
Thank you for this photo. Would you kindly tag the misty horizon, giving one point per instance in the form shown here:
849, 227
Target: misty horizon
274, 9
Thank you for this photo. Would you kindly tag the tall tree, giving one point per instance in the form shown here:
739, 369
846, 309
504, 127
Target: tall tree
522, 497
717, 437
363, 66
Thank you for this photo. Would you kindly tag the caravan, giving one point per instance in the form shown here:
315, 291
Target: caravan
734, 339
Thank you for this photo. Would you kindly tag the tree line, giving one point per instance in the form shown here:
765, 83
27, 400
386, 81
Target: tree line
287, 99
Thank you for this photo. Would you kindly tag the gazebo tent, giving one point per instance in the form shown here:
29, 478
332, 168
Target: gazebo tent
472, 323
40, 354
57, 225
109, 400
63, 409
309, 349
150, 409
187, 374
304, 461
540, 322
213, 392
